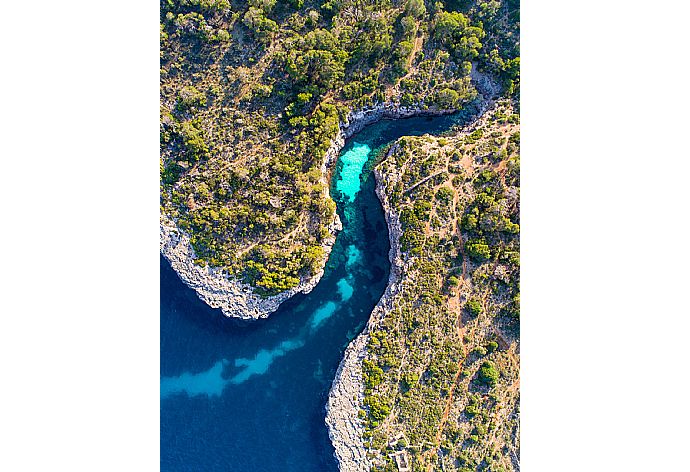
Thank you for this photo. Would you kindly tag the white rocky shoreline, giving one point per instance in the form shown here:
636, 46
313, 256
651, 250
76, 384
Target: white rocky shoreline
220, 290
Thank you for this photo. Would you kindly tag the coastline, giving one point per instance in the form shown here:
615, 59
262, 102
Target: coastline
237, 299
345, 398
219, 290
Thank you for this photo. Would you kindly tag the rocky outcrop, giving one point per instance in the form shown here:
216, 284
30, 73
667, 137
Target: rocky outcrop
345, 427
216, 287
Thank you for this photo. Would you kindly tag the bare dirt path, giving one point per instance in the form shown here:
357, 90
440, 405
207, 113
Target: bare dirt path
418, 42
454, 306
449, 401
416, 48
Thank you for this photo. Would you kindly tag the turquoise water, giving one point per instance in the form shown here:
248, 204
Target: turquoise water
250, 396
352, 161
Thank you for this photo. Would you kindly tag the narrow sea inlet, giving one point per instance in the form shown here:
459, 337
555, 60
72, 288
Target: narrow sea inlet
239, 397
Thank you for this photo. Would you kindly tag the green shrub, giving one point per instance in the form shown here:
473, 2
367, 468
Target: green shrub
474, 307
193, 141
189, 97
479, 350
447, 99
488, 374
409, 380
480, 430
471, 410
379, 408
372, 373
259, 25
478, 250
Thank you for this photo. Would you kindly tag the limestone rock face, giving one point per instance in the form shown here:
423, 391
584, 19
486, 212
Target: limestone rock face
344, 425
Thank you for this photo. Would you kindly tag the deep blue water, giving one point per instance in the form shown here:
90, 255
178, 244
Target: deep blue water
250, 396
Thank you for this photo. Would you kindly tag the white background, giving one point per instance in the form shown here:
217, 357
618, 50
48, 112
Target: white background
604, 236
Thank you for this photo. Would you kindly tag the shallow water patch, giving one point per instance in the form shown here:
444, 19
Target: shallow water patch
260, 363
352, 165
209, 382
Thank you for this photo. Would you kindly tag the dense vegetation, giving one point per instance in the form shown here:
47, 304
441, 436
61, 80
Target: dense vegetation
441, 372
252, 93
